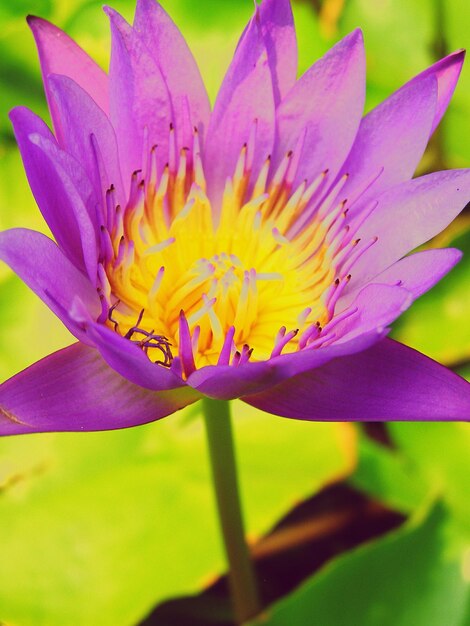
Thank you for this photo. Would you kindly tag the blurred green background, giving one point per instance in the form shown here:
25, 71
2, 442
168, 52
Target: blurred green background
99, 529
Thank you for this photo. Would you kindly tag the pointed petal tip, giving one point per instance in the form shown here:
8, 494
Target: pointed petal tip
455, 255
13, 113
356, 36
34, 21
452, 62
352, 44
110, 12
458, 55
21, 115
117, 21
41, 27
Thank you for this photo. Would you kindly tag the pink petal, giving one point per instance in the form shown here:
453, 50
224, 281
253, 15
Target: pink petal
377, 306
59, 54
447, 72
326, 104
391, 141
393, 136
277, 28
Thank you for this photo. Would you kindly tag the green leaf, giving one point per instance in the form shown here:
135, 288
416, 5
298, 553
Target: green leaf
457, 122
21, 8
20, 77
388, 476
29, 329
405, 579
97, 528
440, 451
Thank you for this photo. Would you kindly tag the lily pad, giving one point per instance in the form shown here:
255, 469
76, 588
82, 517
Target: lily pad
440, 451
405, 579
98, 528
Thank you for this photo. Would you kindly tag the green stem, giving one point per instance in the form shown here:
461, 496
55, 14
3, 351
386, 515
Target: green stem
242, 577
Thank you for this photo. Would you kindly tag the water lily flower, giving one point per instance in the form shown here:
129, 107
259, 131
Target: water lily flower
256, 251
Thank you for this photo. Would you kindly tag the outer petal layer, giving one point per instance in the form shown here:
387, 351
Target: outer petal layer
393, 136
416, 273
60, 187
48, 272
374, 308
447, 72
387, 382
407, 216
226, 382
75, 390
59, 54
391, 141
130, 361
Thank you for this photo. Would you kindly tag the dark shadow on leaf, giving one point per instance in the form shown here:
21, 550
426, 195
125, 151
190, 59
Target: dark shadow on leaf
330, 523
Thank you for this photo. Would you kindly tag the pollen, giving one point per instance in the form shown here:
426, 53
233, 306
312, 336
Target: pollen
254, 278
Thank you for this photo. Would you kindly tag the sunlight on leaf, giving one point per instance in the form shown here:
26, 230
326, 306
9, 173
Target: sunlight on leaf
106, 523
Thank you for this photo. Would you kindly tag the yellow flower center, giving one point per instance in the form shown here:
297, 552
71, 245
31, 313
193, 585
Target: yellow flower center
253, 272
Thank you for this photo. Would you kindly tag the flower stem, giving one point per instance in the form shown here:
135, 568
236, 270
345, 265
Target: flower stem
242, 578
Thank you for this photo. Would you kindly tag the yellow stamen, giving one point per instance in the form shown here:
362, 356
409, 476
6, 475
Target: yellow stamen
238, 279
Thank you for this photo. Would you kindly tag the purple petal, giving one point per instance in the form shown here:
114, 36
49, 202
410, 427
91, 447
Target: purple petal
447, 72
82, 119
48, 272
55, 178
391, 141
393, 136
140, 107
26, 123
64, 201
178, 67
376, 306
245, 104
417, 273
226, 382
128, 359
387, 382
407, 216
58, 54
326, 104
75, 390
277, 28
